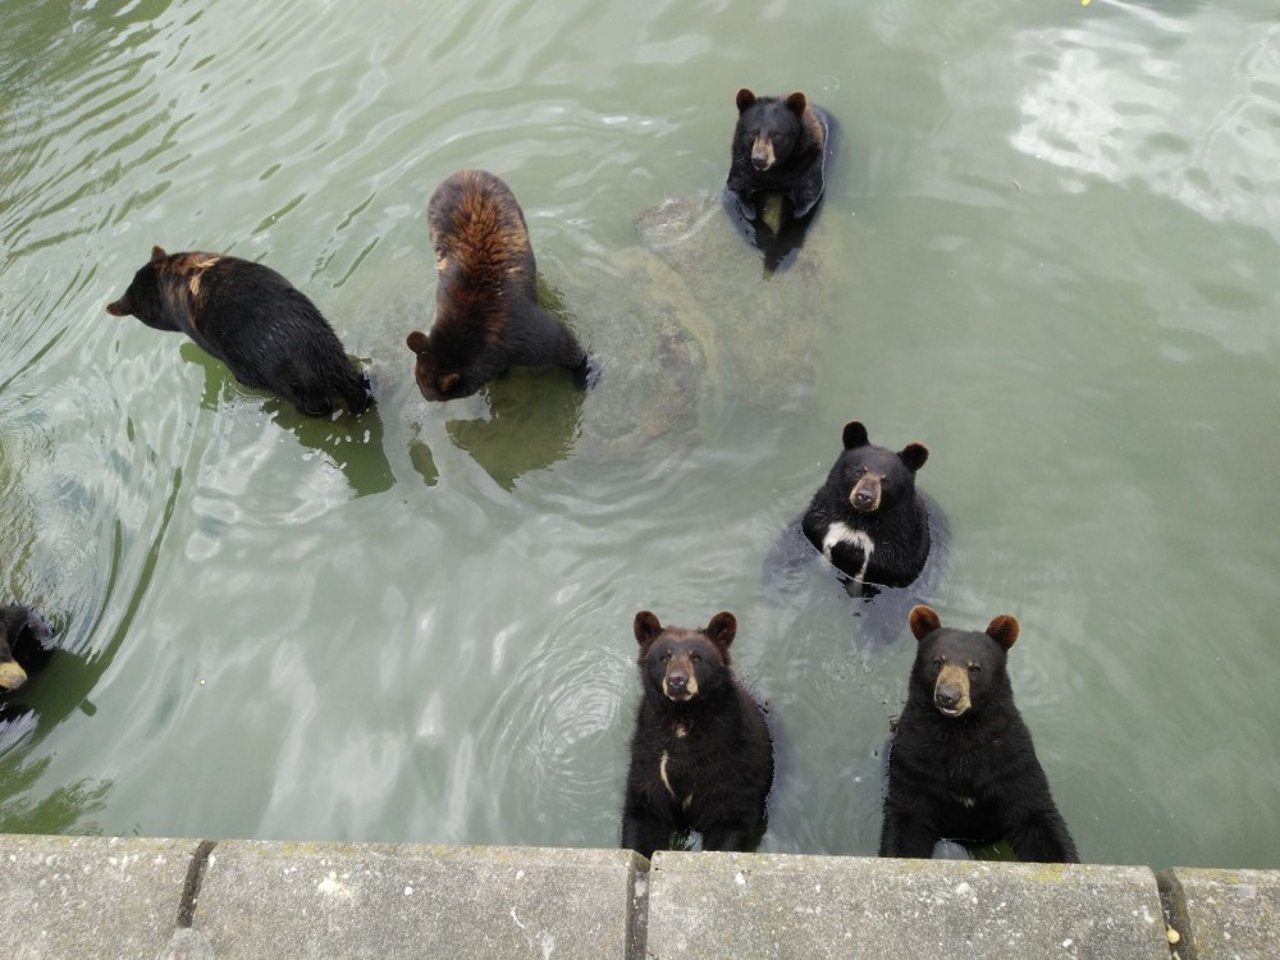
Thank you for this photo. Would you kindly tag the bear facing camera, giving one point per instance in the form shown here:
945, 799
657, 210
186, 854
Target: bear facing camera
962, 766
777, 169
868, 519
487, 314
251, 318
701, 753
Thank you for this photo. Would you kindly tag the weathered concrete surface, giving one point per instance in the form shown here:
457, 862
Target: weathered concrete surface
1227, 914
376, 901
81, 898
717, 905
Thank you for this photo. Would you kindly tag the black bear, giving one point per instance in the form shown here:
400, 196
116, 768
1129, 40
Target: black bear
26, 646
869, 519
780, 150
701, 753
252, 319
962, 765
487, 314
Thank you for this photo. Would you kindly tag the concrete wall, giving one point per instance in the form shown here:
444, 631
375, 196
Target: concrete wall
78, 898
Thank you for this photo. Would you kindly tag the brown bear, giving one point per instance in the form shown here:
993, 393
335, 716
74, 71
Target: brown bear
487, 314
251, 318
701, 753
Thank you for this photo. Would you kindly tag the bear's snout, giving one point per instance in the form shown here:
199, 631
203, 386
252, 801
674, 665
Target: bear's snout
951, 691
12, 676
865, 496
762, 157
680, 683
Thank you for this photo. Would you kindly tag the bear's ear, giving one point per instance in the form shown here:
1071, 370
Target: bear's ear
646, 627
914, 455
855, 435
417, 341
923, 621
796, 103
121, 308
448, 382
158, 254
745, 99
722, 629
1003, 630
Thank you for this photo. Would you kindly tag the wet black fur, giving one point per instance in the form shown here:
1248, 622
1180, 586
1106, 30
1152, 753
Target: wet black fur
25, 637
985, 754
269, 334
899, 528
725, 760
797, 172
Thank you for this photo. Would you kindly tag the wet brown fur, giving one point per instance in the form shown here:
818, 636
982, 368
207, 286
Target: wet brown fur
481, 243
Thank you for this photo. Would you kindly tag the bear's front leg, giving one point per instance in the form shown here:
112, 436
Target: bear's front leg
644, 833
1042, 837
904, 835
731, 836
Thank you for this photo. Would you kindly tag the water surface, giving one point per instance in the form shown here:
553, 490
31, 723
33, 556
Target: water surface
1048, 251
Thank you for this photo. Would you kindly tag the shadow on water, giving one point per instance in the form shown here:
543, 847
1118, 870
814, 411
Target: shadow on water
534, 418
352, 444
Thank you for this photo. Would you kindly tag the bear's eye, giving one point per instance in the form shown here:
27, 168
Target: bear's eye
974, 669
695, 657
666, 655
860, 472
938, 662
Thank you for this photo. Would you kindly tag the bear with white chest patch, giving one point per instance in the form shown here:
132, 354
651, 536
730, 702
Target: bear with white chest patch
701, 753
868, 519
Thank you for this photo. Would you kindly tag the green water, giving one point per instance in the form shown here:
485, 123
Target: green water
1048, 251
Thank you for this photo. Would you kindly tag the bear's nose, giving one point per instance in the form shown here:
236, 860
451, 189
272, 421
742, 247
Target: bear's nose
947, 697
677, 682
863, 498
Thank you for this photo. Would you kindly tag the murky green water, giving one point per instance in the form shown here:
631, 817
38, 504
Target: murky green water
1048, 251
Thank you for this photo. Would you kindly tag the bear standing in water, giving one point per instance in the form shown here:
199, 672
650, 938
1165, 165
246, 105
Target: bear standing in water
487, 314
780, 146
962, 765
868, 519
701, 753
253, 320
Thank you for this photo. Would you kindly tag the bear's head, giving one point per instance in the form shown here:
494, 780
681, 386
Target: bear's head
26, 644
875, 478
959, 669
769, 127
148, 294
437, 378
684, 665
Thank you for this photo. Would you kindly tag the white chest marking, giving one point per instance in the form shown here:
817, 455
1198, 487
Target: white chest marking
840, 532
662, 772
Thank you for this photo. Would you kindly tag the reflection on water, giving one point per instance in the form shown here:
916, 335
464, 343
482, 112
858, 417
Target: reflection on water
1047, 243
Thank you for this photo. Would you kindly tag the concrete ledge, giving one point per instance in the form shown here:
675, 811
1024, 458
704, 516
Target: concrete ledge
1227, 914
777, 906
81, 898
88, 897
283, 901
